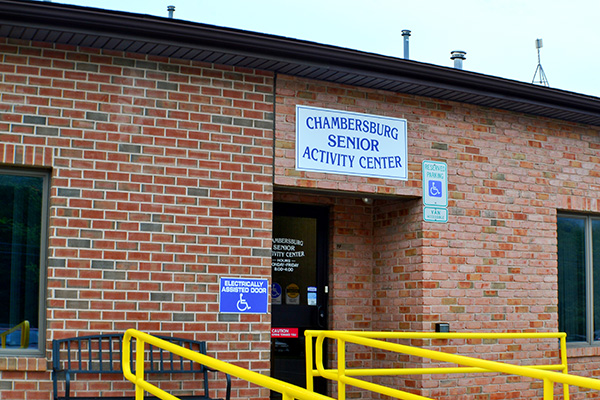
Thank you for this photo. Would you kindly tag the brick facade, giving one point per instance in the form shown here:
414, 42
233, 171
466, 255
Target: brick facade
492, 267
163, 177
161, 183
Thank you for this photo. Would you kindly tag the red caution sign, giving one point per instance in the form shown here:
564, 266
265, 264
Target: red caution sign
284, 332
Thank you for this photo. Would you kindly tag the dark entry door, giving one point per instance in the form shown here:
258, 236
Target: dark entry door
299, 289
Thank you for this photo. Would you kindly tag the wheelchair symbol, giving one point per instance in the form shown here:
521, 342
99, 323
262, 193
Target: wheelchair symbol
242, 304
275, 290
435, 188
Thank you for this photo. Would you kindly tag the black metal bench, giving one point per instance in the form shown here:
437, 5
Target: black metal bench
102, 354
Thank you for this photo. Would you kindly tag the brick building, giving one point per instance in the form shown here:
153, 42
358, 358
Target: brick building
148, 158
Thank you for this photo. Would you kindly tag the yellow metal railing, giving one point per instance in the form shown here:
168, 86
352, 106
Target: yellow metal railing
346, 376
287, 390
24, 326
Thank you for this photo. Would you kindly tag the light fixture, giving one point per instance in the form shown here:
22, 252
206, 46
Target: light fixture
367, 200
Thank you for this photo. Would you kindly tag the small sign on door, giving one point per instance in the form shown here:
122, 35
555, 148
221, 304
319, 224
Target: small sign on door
292, 294
284, 332
276, 294
311, 296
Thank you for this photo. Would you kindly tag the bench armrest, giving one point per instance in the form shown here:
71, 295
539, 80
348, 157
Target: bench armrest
67, 379
227, 378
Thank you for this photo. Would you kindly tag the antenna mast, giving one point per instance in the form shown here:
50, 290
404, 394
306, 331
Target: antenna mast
542, 79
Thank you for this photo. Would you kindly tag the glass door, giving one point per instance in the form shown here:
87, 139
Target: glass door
299, 288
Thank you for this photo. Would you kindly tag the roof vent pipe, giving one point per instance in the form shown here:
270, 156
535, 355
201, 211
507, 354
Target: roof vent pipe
405, 35
458, 56
171, 10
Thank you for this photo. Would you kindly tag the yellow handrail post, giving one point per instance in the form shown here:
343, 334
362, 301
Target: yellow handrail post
24, 334
548, 389
309, 361
563, 360
341, 370
319, 356
139, 367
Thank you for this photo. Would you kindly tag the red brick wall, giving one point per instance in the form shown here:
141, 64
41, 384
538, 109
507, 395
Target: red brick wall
492, 267
161, 183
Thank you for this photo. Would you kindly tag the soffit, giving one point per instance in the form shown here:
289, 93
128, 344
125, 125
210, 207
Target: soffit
139, 33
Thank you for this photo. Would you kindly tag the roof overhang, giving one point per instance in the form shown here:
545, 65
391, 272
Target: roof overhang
139, 33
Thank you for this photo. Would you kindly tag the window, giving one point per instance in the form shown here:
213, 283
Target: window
579, 277
23, 200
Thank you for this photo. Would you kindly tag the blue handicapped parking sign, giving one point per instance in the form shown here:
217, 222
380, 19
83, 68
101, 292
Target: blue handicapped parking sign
435, 188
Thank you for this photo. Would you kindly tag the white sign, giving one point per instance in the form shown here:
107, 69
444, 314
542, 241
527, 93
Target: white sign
311, 296
435, 214
435, 183
435, 191
342, 142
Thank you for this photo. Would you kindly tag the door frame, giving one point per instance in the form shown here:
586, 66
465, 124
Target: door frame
321, 214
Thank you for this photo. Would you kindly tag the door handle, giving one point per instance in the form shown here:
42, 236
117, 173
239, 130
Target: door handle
321, 317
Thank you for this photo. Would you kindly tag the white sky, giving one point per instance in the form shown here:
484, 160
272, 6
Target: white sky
498, 35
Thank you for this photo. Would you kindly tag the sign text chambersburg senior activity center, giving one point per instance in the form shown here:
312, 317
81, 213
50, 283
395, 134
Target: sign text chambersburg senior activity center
342, 142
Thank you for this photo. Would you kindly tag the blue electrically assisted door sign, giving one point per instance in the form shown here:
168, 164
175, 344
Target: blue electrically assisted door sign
243, 295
